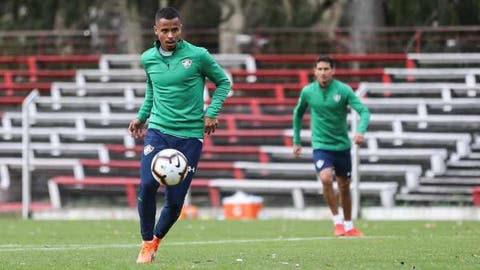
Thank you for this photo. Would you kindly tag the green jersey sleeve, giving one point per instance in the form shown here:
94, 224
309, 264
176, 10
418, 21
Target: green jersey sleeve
298, 113
361, 109
144, 111
215, 73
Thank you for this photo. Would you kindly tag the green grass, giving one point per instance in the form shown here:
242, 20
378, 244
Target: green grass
260, 244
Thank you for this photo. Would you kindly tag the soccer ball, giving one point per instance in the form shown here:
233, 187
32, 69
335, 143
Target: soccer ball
169, 167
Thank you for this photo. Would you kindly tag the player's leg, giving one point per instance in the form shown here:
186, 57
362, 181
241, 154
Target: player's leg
153, 143
324, 167
326, 177
175, 195
343, 169
146, 199
345, 196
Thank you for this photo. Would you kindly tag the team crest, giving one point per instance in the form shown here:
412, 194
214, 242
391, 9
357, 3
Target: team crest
148, 149
319, 163
186, 63
337, 97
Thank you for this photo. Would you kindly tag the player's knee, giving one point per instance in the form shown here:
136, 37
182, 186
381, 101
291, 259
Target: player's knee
326, 177
344, 189
344, 186
147, 190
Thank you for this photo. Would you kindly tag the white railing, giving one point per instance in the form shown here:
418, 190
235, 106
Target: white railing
26, 176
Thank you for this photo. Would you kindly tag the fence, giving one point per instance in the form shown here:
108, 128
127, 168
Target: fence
264, 40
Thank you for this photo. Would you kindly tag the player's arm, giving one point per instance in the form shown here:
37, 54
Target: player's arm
215, 73
136, 127
364, 113
298, 113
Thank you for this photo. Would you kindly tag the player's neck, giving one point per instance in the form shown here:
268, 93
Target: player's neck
325, 84
164, 52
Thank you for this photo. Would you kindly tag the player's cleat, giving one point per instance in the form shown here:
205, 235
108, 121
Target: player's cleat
354, 233
147, 253
339, 230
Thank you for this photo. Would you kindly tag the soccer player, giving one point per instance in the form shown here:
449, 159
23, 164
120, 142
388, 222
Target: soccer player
328, 100
176, 72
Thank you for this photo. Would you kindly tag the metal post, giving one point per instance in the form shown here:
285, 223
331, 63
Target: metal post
355, 172
356, 158
26, 176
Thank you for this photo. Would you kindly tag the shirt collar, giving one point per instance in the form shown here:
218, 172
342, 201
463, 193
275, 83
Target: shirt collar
180, 44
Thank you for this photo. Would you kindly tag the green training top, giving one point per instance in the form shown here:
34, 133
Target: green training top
328, 112
174, 91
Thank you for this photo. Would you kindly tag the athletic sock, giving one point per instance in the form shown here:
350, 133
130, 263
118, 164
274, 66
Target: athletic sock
337, 219
348, 225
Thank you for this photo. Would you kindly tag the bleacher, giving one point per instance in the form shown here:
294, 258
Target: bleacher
423, 145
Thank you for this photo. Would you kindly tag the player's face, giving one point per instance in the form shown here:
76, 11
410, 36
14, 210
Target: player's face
168, 33
323, 73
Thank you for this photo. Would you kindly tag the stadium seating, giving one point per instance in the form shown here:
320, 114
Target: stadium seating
423, 143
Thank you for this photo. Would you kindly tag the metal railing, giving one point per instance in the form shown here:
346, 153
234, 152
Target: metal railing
263, 40
26, 158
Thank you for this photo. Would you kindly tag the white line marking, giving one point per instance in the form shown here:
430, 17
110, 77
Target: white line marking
12, 248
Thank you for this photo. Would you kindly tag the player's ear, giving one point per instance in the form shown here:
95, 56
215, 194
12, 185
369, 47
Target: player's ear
155, 30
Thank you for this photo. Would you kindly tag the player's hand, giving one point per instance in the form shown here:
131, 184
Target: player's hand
358, 139
136, 129
211, 125
297, 151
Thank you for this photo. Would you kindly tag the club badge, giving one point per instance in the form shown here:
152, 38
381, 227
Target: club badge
337, 97
186, 63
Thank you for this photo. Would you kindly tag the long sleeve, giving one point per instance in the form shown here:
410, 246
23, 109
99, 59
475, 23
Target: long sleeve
144, 111
298, 113
215, 73
362, 110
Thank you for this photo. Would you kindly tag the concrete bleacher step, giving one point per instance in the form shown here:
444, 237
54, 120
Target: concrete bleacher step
460, 172
444, 90
450, 180
433, 198
473, 155
438, 189
464, 164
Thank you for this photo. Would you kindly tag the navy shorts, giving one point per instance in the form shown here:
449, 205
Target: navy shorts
155, 141
340, 161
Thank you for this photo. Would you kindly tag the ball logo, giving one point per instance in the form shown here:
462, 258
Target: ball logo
178, 162
186, 63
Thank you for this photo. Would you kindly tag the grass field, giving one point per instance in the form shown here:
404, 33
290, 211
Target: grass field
260, 244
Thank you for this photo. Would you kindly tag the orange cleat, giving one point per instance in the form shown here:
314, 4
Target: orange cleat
147, 253
354, 233
339, 230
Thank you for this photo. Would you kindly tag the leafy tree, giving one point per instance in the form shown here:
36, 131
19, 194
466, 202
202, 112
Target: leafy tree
432, 12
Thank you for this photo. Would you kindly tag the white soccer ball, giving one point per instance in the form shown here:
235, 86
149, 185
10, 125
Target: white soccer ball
169, 167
